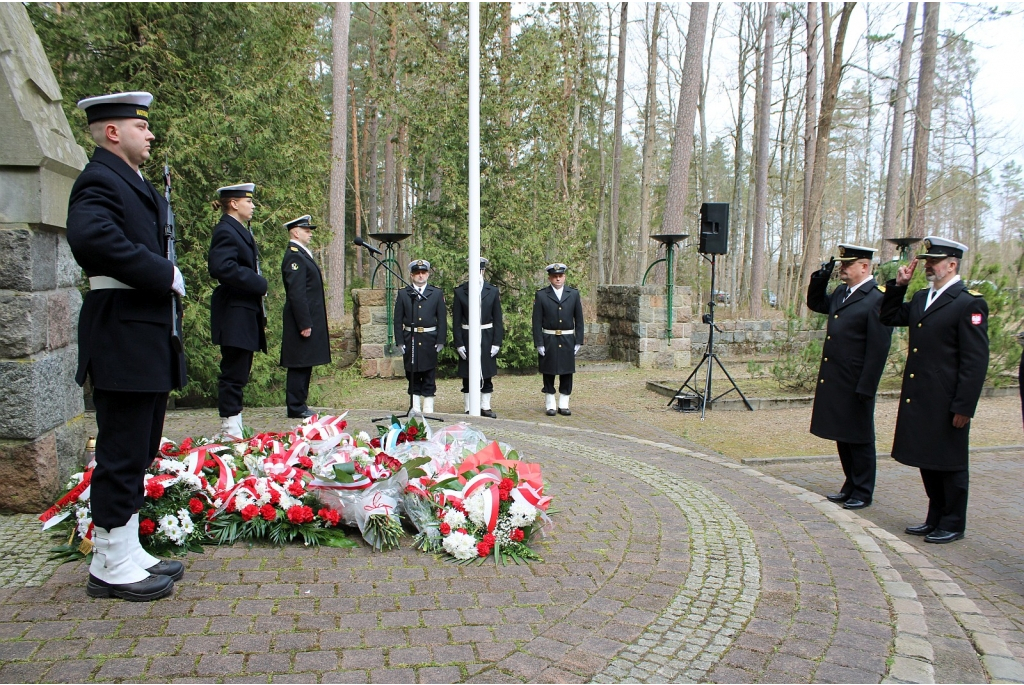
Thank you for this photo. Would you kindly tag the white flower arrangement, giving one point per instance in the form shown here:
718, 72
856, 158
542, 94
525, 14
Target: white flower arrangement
460, 545
474, 507
455, 519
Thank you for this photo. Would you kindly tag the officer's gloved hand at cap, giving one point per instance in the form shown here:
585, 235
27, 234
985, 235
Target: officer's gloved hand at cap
438, 347
461, 351
178, 284
540, 350
576, 350
828, 267
494, 350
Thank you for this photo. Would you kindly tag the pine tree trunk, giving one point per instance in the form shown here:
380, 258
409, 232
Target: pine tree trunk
650, 134
360, 271
620, 82
763, 109
923, 122
339, 163
899, 111
810, 115
603, 181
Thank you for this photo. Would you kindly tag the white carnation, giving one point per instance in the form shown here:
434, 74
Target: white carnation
363, 436
475, 507
522, 514
455, 519
460, 545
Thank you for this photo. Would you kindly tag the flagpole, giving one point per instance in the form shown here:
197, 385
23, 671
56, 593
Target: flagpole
473, 345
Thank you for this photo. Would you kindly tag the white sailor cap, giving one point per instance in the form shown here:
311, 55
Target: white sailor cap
937, 247
301, 222
555, 269
419, 265
133, 105
851, 253
240, 190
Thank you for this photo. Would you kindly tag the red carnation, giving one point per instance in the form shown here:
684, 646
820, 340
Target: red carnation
280, 479
516, 535
211, 512
305, 462
209, 464
462, 530
268, 512
186, 444
147, 527
446, 529
411, 431
300, 514
483, 549
230, 508
196, 506
296, 489
275, 496
204, 482
488, 539
167, 449
375, 443
249, 512
332, 517
154, 490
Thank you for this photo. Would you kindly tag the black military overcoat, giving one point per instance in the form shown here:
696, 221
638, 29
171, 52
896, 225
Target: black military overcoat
852, 360
490, 313
947, 358
565, 315
236, 311
116, 229
304, 307
412, 313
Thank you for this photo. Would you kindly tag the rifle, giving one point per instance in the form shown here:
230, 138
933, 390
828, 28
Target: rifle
171, 234
259, 272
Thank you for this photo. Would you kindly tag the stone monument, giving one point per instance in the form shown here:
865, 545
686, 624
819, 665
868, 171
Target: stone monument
41, 422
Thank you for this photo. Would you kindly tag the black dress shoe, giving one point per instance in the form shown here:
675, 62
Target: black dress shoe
550, 412
923, 529
856, 504
941, 537
300, 415
565, 412
146, 590
488, 413
172, 569
838, 497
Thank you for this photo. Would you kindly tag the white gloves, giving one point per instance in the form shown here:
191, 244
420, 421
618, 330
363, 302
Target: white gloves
438, 347
494, 350
462, 352
403, 348
576, 350
540, 350
178, 284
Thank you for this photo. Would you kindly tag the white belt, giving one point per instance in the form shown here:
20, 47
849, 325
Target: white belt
483, 325
106, 283
419, 330
548, 331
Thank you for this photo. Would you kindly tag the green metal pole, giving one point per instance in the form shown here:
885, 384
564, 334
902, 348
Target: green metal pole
669, 283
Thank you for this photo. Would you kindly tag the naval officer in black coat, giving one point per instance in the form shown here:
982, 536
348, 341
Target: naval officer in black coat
237, 314
421, 323
116, 221
558, 337
852, 360
492, 333
304, 340
947, 359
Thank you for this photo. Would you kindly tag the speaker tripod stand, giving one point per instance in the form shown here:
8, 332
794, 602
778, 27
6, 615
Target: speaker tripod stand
704, 394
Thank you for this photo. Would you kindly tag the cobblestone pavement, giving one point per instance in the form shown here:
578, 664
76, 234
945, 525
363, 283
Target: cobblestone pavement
667, 563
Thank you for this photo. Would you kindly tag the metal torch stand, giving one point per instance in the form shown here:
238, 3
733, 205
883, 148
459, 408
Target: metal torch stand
389, 242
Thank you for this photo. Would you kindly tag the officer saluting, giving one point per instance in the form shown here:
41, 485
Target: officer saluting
492, 332
852, 361
304, 340
947, 359
421, 324
558, 336
237, 317
116, 224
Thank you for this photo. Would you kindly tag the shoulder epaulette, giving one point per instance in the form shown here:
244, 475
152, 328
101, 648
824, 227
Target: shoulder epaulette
881, 288
975, 293
293, 248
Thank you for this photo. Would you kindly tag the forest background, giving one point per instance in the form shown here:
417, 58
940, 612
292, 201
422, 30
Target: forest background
580, 108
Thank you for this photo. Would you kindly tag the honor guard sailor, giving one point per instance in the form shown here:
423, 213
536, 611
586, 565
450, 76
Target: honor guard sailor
304, 340
116, 221
421, 324
558, 337
492, 333
852, 360
237, 315
947, 359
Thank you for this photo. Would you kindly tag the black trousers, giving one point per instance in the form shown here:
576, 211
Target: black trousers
128, 425
487, 387
235, 364
297, 389
858, 460
564, 384
422, 382
947, 498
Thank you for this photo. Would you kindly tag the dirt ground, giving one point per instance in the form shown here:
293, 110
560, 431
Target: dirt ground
736, 434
